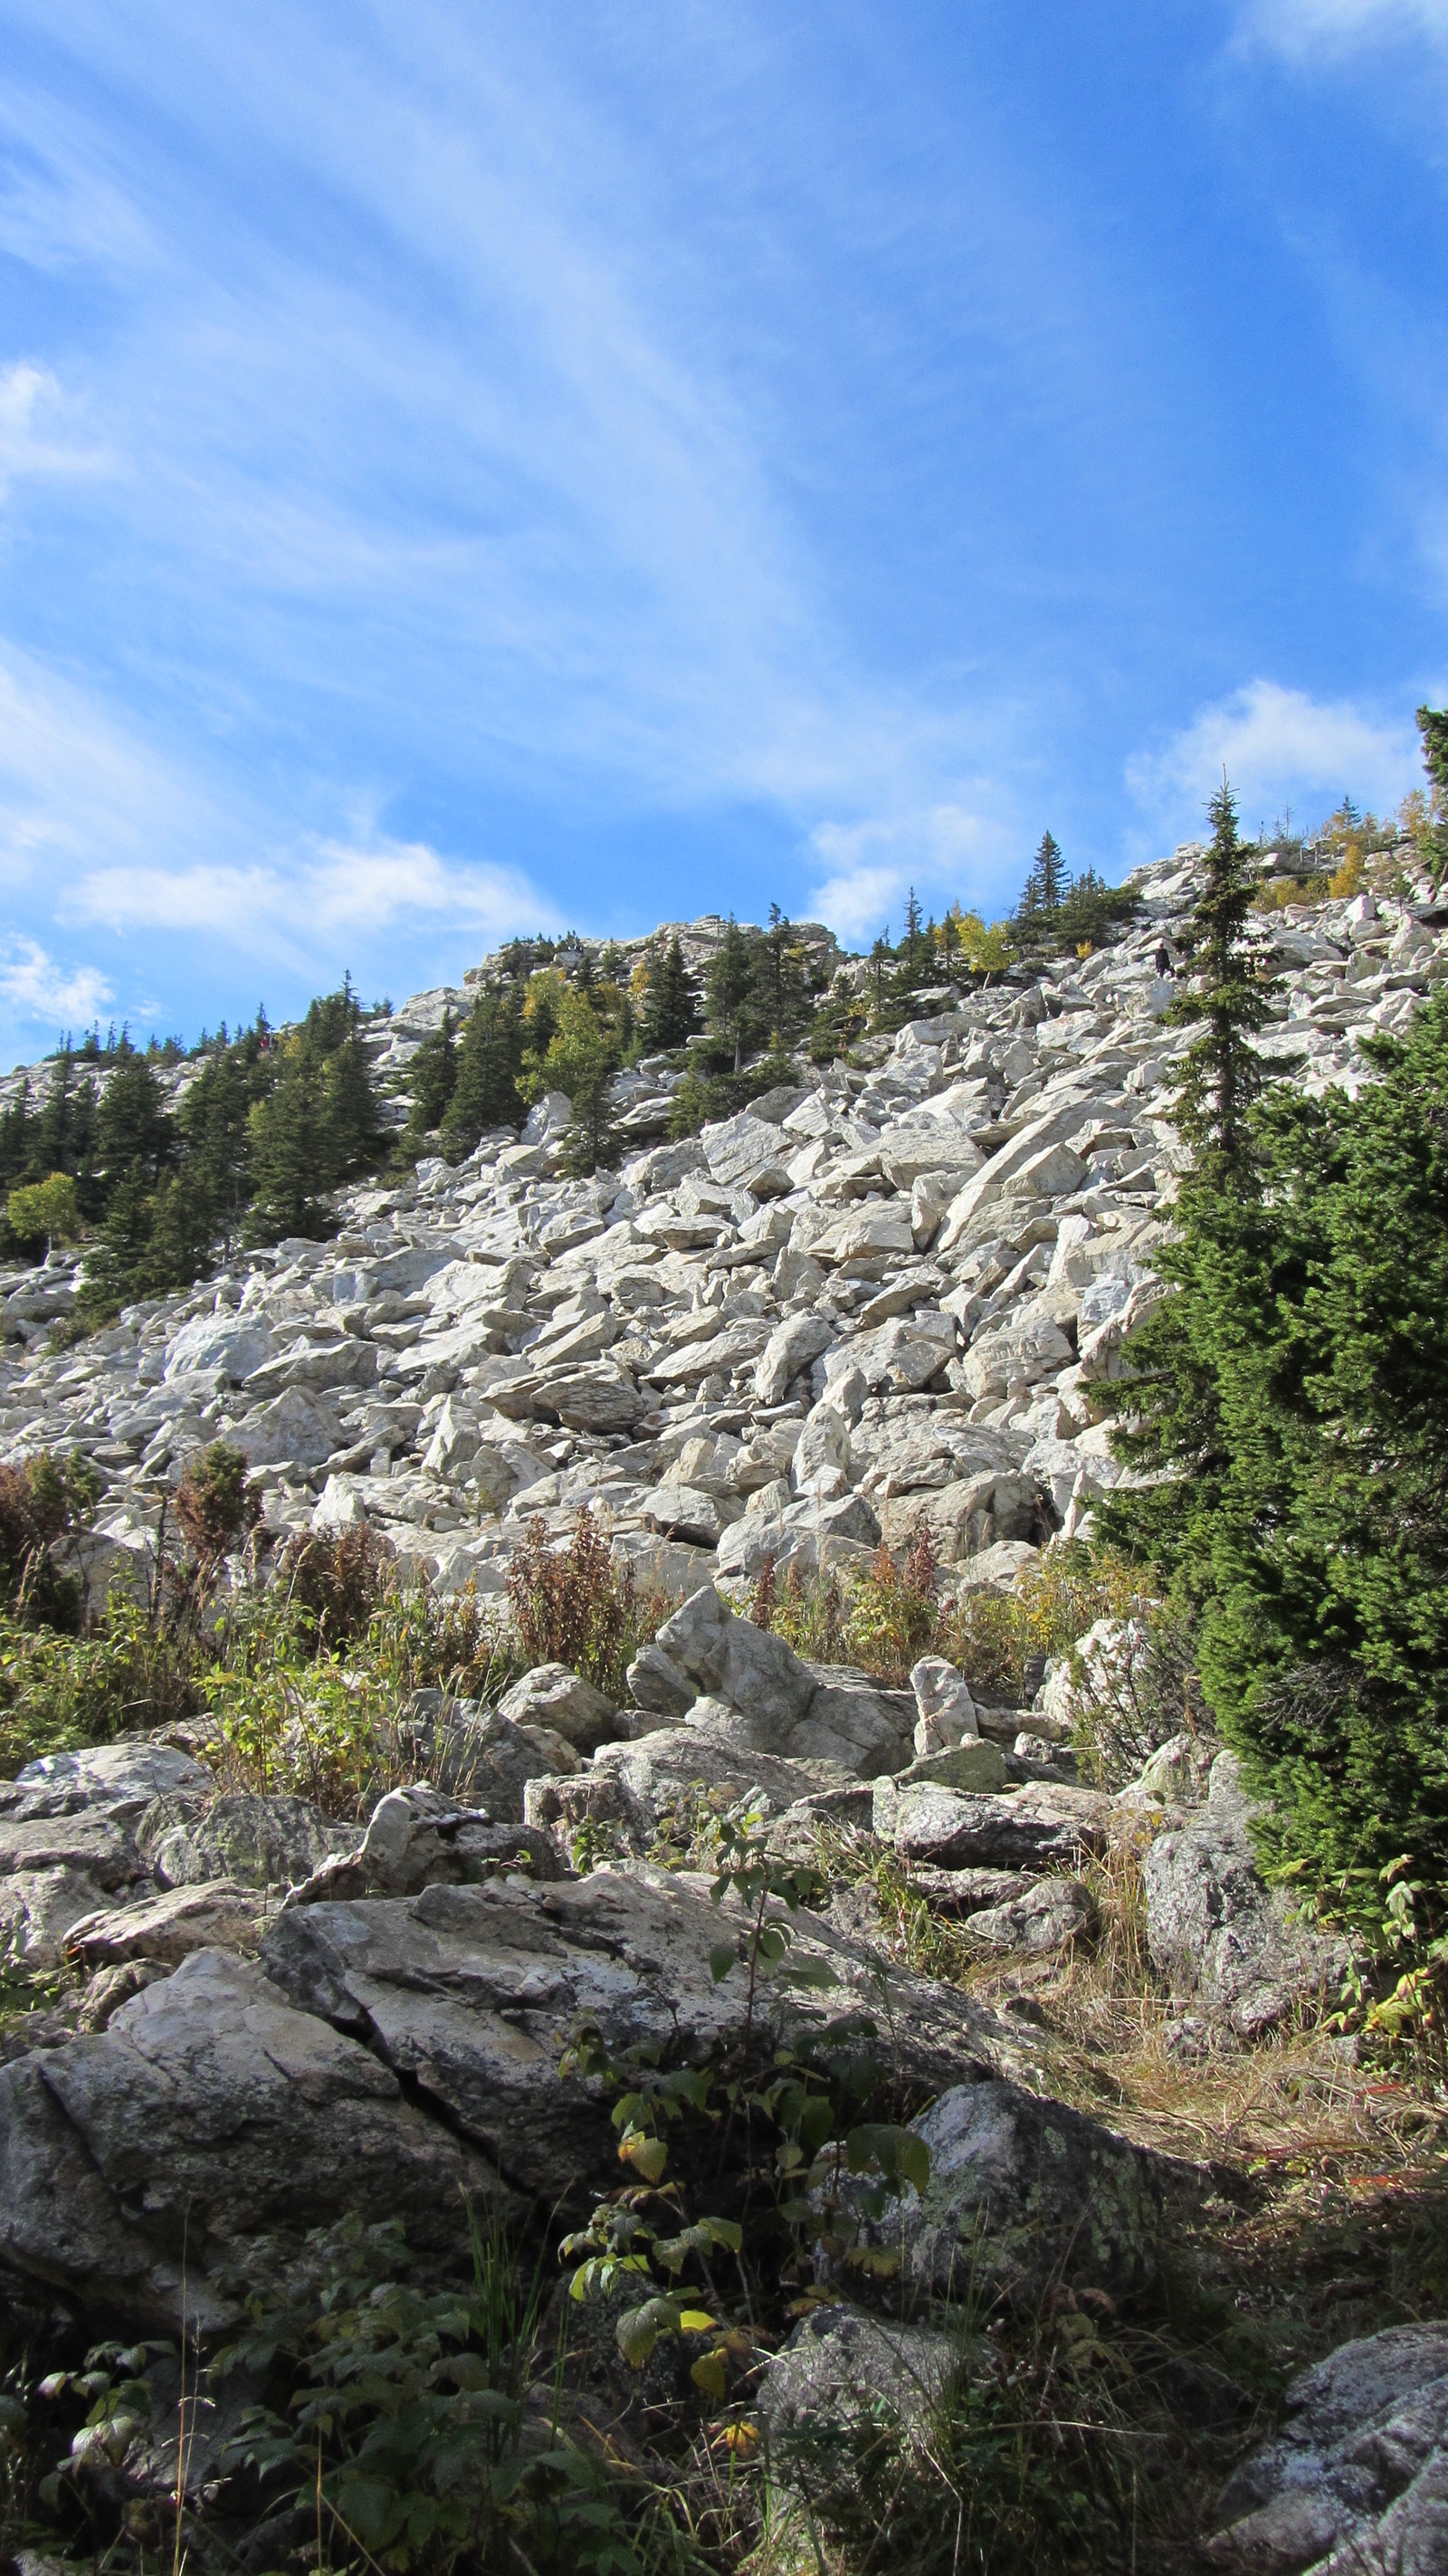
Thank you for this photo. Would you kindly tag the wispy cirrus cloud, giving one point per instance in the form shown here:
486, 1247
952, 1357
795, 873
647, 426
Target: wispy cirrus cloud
280, 906
37, 420
1275, 745
1305, 30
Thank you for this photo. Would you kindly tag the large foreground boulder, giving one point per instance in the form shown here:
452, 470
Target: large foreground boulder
139, 2167
1356, 2483
1024, 2193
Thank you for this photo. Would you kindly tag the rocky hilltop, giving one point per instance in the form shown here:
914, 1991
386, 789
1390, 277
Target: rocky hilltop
883, 1300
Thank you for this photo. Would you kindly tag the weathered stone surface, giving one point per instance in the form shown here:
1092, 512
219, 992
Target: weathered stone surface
1023, 2193
1356, 2483
208, 2115
416, 1838
475, 1754
948, 1829
1217, 1932
262, 1842
37, 1910
553, 1696
843, 2372
471, 1992
671, 1772
220, 1915
295, 1425
111, 1777
946, 1711
790, 1347
784, 1706
88, 1843
1047, 1917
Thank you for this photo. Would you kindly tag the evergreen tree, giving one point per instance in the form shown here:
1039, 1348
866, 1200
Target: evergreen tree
913, 943
115, 1263
291, 1152
781, 982
1433, 726
16, 1142
485, 1091
671, 1002
214, 1120
1294, 1414
730, 984
1229, 999
433, 1074
582, 1059
353, 1127
134, 1131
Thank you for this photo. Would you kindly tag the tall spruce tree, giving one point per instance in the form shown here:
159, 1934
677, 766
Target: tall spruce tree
291, 1151
485, 1091
1229, 998
1433, 727
733, 1009
671, 1007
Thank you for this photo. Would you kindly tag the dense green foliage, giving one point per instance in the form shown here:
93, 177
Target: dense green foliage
1296, 1390
262, 1132
1291, 1406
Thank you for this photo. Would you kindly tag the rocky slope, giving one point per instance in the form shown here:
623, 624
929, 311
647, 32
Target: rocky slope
883, 1297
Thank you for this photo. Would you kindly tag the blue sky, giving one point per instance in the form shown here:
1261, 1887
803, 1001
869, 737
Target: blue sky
466, 468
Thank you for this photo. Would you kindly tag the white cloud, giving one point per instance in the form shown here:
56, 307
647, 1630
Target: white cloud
33, 416
942, 850
37, 989
1305, 30
73, 782
1277, 747
324, 888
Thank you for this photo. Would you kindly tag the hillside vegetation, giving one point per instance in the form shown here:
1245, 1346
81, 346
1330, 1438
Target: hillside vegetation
722, 1670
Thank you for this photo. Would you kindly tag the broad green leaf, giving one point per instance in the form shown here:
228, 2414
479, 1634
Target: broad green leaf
648, 2156
710, 2374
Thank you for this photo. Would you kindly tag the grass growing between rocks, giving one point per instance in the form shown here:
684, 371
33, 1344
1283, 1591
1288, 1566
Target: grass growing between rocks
899, 1609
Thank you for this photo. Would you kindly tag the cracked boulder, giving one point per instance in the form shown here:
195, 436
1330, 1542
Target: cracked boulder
794, 1710
140, 2167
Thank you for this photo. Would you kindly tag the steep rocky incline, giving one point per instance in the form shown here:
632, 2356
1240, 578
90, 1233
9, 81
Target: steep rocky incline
880, 1296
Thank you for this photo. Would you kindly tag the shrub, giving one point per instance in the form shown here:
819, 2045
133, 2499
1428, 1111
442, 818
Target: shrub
129, 1675
334, 1586
45, 1211
46, 1507
892, 1613
215, 1506
997, 1639
575, 1606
